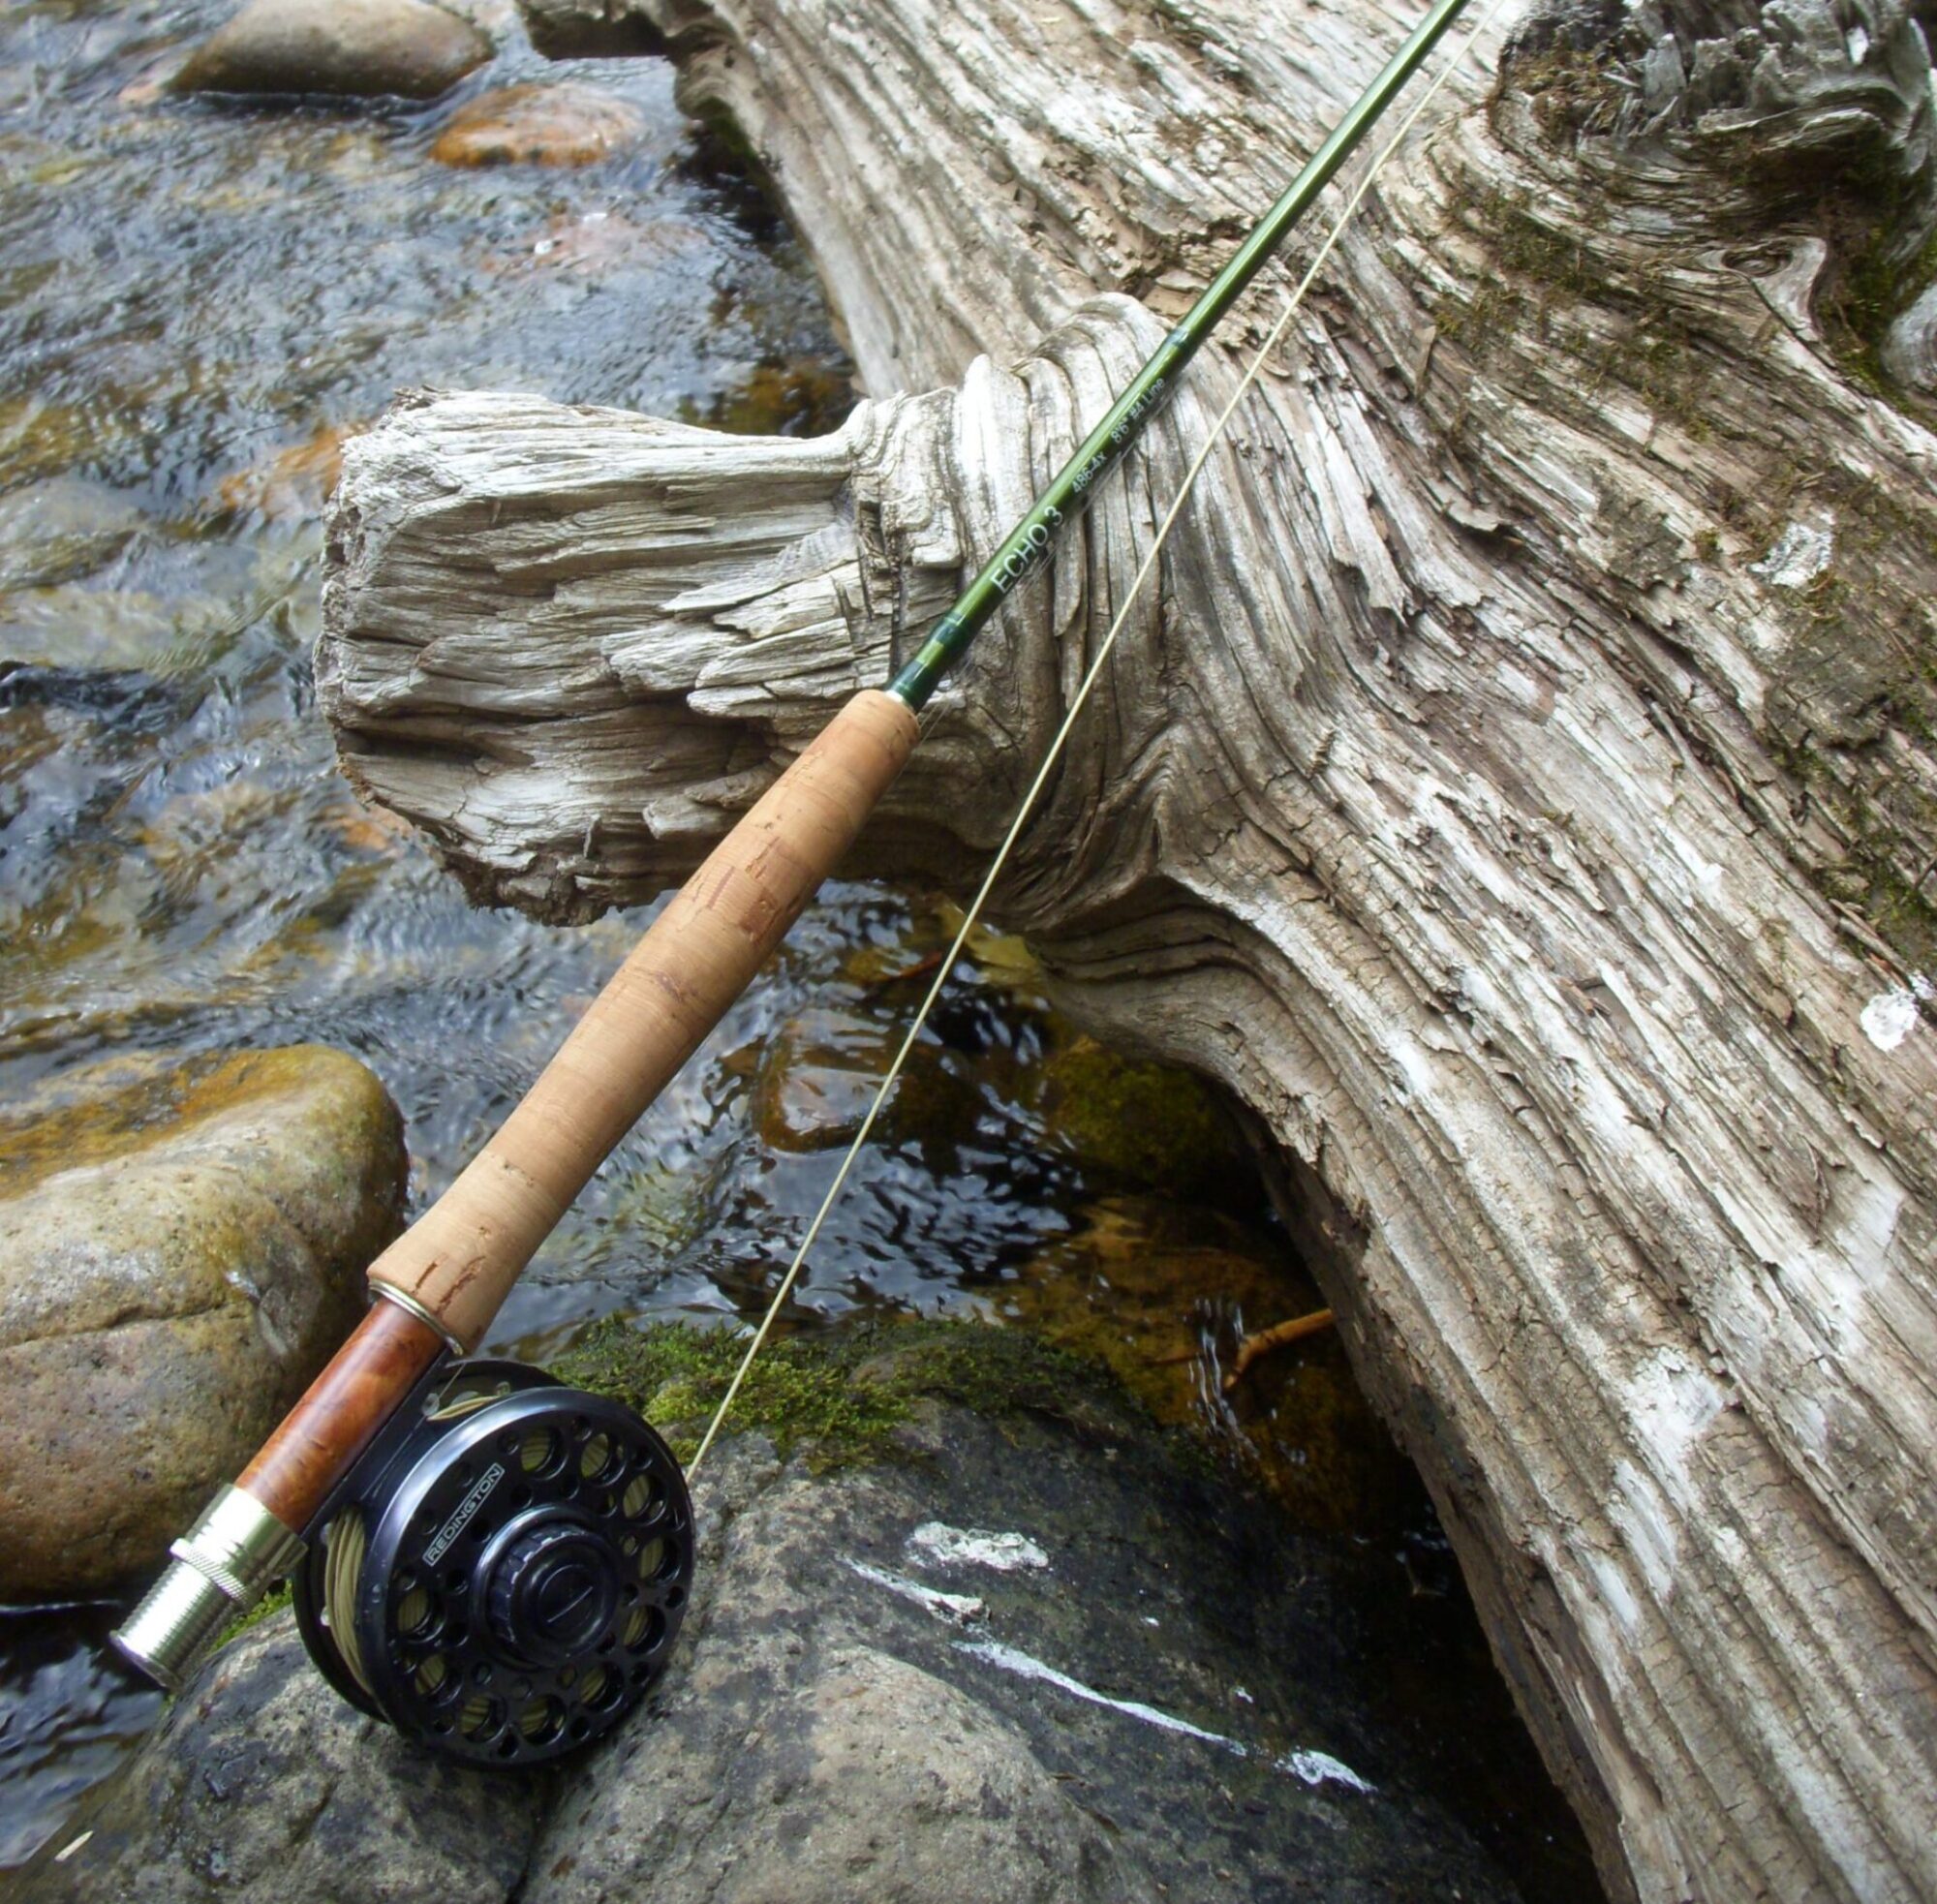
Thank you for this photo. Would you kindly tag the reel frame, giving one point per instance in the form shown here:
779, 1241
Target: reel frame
513, 1559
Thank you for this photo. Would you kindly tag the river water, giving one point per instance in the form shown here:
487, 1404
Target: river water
196, 301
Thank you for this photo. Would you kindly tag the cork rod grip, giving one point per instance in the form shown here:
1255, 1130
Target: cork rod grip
459, 1262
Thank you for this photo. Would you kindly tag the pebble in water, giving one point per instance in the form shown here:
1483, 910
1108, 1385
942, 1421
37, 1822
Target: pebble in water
558, 125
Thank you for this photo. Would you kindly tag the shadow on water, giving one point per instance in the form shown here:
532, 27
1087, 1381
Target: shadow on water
197, 302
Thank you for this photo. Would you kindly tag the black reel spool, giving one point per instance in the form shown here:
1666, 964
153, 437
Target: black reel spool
503, 1574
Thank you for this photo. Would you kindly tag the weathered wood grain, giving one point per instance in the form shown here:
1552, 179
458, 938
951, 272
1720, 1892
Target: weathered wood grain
1516, 791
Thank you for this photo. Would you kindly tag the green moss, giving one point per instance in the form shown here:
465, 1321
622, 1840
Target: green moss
1538, 265
1527, 245
1860, 661
994, 1371
267, 1608
1877, 282
1472, 323
1905, 918
1152, 1125
1545, 271
837, 1397
1878, 285
1858, 667
675, 1376
1868, 211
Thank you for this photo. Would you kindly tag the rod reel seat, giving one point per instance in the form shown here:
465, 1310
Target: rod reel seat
503, 1574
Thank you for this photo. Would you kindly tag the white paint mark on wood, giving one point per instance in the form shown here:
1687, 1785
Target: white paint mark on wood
1803, 551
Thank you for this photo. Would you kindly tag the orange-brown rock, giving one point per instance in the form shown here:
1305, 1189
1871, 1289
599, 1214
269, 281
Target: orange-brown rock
294, 480
538, 125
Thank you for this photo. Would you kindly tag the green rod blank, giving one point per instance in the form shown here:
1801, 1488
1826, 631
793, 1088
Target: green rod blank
1027, 546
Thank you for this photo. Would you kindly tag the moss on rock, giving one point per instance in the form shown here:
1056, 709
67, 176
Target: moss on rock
277, 1600
840, 1396
1152, 1125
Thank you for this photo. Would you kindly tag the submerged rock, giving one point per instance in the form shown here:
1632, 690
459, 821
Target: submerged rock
1153, 1126
42, 438
291, 481
1164, 1294
184, 1247
353, 48
540, 125
60, 529
1029, 1652
81, 625
603, 244
815, 1079
797, 397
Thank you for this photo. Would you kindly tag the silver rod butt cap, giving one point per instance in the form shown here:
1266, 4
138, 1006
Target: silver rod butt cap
221, 1566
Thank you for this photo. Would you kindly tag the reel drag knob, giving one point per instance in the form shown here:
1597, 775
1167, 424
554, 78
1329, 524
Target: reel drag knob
554, 1593
503, 1577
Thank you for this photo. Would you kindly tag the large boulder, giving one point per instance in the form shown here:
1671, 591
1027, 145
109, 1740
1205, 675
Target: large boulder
352, 48
182, 1245
1029, 1651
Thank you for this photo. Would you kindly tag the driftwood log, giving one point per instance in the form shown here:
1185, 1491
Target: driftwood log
1520, 790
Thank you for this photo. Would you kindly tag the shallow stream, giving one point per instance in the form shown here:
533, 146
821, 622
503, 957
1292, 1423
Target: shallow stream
196, 301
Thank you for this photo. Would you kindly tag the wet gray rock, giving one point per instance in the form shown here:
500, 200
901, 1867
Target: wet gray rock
182, 1246
805, 1754
259, 1783
864, 1777
350, 48
1144, 1689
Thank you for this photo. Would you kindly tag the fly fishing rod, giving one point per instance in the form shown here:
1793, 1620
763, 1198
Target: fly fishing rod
494, 1563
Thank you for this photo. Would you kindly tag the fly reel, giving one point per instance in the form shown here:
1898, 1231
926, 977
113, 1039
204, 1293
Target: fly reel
502, 1574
